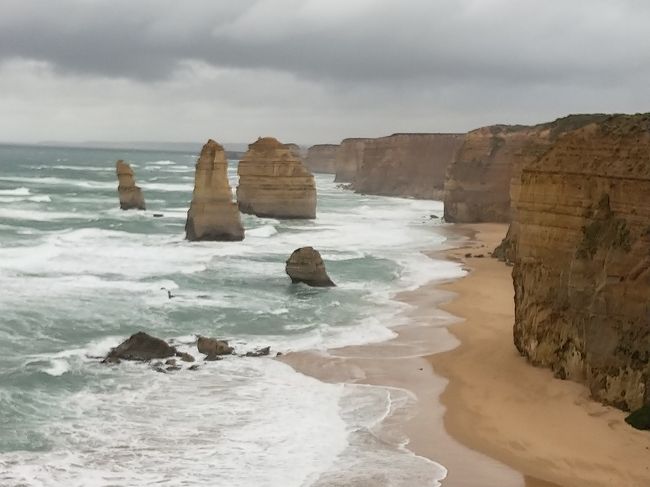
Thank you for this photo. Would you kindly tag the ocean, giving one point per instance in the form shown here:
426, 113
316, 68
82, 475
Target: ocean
78, 275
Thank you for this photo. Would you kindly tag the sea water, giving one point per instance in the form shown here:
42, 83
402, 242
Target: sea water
78, 275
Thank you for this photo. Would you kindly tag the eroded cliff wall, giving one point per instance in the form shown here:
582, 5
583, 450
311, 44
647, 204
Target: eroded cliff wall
348, 159
412, 165
321, 158
582, 262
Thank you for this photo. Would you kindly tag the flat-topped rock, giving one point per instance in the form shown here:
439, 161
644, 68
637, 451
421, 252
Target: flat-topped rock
306, 265
274, 183
321, 158
212, 214
131, 197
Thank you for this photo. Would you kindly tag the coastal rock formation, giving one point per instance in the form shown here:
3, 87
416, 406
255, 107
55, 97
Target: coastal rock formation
142, 347
212, 214
130, 195
321, 158
412, 165
306, 265
582, 262
483, 180
348, 159
274, 183
297, 152
213, 347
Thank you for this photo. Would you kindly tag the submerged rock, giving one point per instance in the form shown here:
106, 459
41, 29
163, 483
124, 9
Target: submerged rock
130, 195
274, 183
306, 265
640, 419
213, 347
260, 352
212, 214
140, 346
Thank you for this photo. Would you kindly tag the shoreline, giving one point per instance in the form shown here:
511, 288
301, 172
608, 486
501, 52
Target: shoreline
475, 394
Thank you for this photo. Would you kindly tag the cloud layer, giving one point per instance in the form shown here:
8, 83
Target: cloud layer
311, 70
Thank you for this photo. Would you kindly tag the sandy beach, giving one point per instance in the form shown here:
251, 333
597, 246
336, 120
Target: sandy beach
485, 414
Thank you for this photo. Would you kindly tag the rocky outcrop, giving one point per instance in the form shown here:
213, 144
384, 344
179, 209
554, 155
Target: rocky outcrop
321, 158
297, 152
412, 165
212, 214
306, 265
274, 183
211, 347
582, 260
130, 195
142, 347
348, 159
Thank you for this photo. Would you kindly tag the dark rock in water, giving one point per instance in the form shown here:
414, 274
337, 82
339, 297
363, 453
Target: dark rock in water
158, 215
306, 265
279, 354
261, 352
479, 256
111, 360
212, 346
640, 419
468, 255
212, 358
159, 368
185, 357
142, 347
170, 361
172, 368
434, 217
193, 367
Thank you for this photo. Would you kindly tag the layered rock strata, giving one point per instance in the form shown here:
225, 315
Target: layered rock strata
274, 183
212, 214
482, 182
321, 158
582, 261
306, 265
348, 159
411, 165
130, 195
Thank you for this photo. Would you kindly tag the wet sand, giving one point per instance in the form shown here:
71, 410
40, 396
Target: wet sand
490, 418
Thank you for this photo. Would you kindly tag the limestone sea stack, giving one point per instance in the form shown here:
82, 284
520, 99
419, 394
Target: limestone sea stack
130, 195
306, 265
411, 165
321, 158
348, 159
274, 183
212, 214
582, 262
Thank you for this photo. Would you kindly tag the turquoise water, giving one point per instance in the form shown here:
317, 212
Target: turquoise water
78, 275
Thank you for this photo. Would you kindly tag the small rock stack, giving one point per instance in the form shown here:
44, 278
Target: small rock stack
131, 197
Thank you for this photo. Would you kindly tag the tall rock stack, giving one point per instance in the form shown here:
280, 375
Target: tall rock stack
321, 158
348, 159
212, 214
130, 195
274, 183
582, 263
412, 165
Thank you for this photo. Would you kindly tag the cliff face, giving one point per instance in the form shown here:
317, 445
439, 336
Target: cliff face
582, 263
411, 165
348, 159
483, 182
321, 158
274, 183
212, 214
130, 195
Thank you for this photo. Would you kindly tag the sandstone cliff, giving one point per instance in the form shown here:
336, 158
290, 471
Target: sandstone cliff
348, 159
321, 158
212, 214
274, 183
482, 182
411, 165
582, 263
130, 195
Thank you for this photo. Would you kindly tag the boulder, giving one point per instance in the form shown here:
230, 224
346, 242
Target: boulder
274, 183
306, 265
212, 214
260, 352
131, 197
213, 347
142, 347
640, 419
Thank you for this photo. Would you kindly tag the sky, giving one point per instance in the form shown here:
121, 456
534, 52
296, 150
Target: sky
311, 71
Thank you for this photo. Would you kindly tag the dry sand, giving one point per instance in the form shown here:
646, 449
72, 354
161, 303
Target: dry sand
490, 418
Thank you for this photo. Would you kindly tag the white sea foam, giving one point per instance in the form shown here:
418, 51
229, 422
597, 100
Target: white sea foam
22, 191
42, 216
167, 187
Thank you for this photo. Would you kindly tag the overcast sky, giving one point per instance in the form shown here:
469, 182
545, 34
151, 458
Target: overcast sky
312, 71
